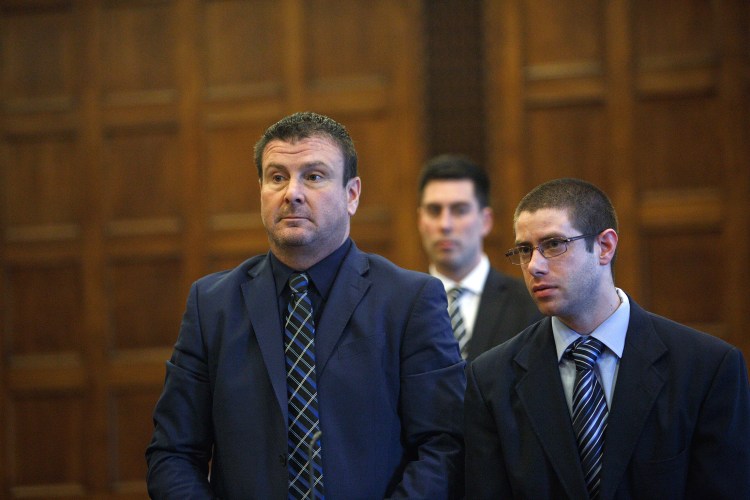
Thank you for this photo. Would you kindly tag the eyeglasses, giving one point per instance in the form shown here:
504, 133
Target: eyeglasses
549, 248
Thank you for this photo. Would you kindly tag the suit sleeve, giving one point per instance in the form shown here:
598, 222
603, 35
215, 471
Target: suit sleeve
180, 449
431, 400
720, 455
486, 475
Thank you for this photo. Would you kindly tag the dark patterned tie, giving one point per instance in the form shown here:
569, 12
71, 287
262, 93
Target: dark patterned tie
589, 410
299, 342
457, 320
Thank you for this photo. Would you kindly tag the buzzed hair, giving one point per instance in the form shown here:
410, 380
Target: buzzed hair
304, 125
589, 208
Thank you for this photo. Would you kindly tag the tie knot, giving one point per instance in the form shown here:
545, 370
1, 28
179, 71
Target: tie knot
585, 352
455, 293
298, 282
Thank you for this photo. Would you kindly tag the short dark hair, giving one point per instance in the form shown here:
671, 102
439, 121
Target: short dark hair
456, 167
307, 124
589, 209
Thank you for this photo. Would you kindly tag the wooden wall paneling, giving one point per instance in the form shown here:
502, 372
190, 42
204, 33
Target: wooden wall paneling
247, 77
620, 121
47, 436
680, 158
505, 124
91, 17
129, 127
607, 91
733, 23
454, 84
43, 350
406, 110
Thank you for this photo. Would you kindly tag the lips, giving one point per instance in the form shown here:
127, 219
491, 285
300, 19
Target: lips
445, 244
542, 291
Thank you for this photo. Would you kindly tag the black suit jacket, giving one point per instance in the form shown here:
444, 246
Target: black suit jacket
505, 309
679, 425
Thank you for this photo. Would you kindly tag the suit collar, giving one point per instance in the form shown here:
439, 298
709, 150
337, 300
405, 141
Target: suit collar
346, 292
541, 394
639, 381
260, 297
491, 307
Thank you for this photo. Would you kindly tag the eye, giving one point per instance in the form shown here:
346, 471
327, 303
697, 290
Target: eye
315, 177
552, 244
523, 250
460, 209
432, 210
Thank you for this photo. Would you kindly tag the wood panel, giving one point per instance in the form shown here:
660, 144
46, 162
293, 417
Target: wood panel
127, 172
656, 113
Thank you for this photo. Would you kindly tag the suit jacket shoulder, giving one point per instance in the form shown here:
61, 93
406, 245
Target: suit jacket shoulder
505, 309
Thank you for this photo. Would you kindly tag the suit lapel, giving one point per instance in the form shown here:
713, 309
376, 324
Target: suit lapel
487, 317
639, 382
260, 299
541, 393
346, 292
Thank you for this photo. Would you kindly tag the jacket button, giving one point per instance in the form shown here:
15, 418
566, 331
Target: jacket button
282, 459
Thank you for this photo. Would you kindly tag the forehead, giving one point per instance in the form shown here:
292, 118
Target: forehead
542, 223
295, 152
446, 191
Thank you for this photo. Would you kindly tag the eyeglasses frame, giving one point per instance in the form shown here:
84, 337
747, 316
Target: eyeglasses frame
513, 250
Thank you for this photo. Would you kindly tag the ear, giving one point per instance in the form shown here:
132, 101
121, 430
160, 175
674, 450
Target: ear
607, 246
353, 188
488, 218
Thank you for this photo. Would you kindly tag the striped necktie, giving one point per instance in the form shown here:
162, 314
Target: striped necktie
305, 471
457, 320
589, 410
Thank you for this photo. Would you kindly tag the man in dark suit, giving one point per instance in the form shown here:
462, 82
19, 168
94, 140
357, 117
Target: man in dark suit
602, 399
315, 369
454, 218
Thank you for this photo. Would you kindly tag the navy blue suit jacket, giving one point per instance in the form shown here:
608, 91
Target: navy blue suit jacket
679, 425
390, 388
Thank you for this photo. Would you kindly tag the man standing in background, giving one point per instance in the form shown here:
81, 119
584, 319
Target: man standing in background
486, 306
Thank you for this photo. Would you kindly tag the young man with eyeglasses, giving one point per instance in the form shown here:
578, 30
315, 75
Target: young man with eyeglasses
602, 399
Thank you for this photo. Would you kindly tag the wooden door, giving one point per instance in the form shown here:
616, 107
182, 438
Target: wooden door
650, 100
126, 170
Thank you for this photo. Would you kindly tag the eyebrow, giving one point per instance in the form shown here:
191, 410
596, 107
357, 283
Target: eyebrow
547, 237
305, 166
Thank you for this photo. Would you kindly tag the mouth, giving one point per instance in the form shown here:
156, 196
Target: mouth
445, 245
542, 291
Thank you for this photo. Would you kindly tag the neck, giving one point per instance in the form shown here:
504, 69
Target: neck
604, 308
457, 274
302, 258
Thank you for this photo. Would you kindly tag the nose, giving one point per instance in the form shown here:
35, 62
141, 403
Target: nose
294, 193
537, 262
445, 220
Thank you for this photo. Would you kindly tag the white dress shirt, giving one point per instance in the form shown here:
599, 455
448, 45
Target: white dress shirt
473, 284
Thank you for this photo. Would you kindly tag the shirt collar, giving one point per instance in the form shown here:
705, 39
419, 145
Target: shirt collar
611, 332
473, 282
321, 274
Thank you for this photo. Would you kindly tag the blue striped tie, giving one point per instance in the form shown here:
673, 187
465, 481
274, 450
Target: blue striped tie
299, 339
589, 410
457, 319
